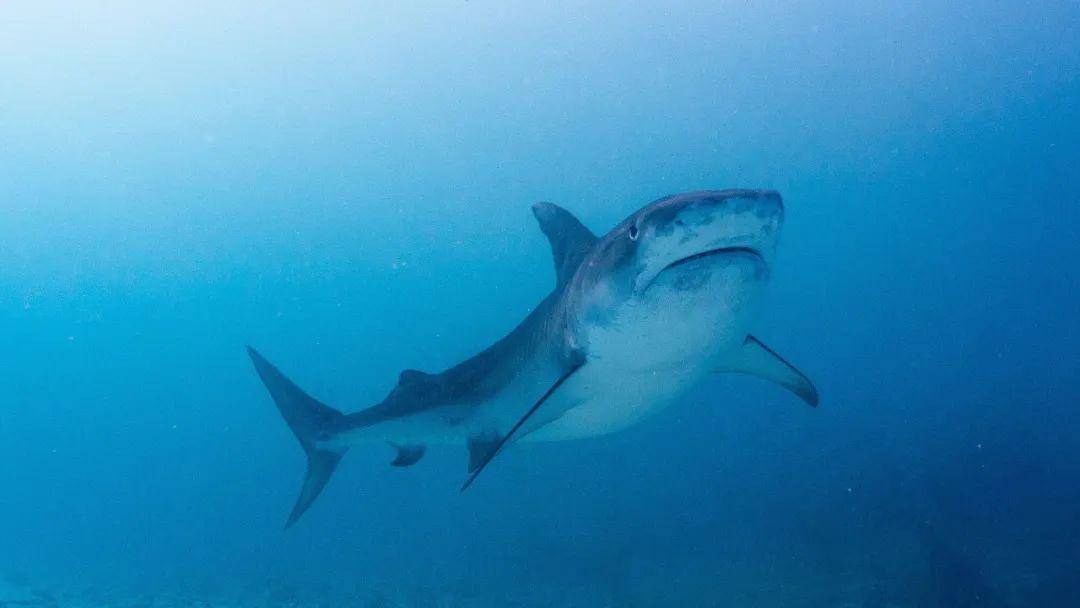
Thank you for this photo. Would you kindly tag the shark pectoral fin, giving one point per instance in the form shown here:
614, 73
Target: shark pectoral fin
407, 455
479, 460
759, 360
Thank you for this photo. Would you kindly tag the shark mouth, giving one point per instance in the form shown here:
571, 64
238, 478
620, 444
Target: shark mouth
713, 252
708, 253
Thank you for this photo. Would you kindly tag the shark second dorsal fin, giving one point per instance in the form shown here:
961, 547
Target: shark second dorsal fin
412, 376
570, 239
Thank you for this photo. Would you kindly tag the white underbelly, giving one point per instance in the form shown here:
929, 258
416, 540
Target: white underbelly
603, 401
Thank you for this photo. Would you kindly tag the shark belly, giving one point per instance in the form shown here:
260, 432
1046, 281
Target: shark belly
605, 400
649, 354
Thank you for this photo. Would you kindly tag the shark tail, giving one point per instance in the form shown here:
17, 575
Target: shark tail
309, 420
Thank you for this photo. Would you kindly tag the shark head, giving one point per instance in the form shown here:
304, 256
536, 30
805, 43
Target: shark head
678, 280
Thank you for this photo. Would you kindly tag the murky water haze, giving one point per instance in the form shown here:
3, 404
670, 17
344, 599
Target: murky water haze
347, 187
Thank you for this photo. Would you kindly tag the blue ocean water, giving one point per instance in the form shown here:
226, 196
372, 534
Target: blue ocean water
347, 187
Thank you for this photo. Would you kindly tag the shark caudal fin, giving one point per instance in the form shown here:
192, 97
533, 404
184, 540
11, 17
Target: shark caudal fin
309, 419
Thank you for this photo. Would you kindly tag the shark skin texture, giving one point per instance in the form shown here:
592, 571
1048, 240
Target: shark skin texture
637, 318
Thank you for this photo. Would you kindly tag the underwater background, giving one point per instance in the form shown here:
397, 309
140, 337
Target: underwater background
346, 186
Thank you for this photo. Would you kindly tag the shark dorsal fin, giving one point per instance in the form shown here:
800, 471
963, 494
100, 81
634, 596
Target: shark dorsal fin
412, 376
570, 239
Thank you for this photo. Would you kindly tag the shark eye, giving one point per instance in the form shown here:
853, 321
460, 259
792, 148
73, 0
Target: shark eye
632, 232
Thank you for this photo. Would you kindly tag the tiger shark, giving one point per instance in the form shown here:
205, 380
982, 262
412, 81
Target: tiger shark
637, 318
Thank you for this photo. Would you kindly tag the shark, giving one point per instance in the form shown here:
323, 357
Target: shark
637, 318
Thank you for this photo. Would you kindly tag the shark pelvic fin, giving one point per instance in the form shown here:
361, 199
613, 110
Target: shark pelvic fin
570, 239
309, 419
476, 468
481, 446
407, 455
759, 360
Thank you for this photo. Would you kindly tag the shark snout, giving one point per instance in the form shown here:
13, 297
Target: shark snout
730, 218
765, 205
769, 205
698, 210
688, 230
768, 208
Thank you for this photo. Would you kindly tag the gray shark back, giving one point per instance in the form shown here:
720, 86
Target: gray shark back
662, 301
471, 382
480, 378
452, 395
